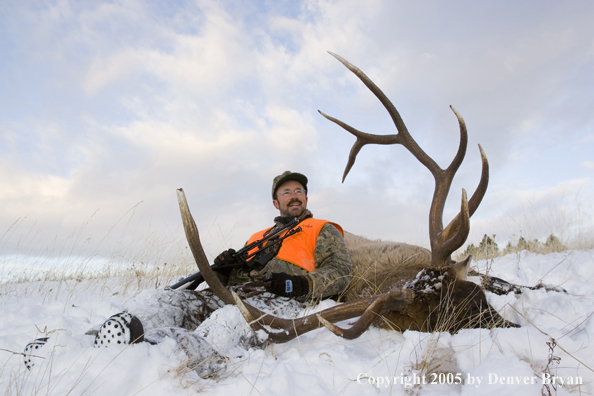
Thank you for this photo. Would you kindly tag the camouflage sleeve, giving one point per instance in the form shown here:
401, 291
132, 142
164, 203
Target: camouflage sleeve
333, 264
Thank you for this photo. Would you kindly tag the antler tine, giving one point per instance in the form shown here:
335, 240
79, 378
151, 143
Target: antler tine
362, 139
442, 189
403, 137
361, 324
193, 238
459, 157
456, 233
481, 189
474, 201
457, 161
390, 301
477, 196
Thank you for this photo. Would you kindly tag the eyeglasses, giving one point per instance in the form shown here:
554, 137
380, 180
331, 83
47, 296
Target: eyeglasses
288, 193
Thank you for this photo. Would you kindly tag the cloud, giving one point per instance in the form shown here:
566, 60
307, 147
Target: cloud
210, 59
104, 71
23, 192
289, 130
533, 52
110, 104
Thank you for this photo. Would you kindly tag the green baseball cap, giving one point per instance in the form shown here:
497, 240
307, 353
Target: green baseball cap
286, 176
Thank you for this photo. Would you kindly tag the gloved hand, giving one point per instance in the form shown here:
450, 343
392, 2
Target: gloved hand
287, 285
225, 262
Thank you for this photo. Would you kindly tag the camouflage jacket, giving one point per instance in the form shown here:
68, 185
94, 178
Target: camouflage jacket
333, 264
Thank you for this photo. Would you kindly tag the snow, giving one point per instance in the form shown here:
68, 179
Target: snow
471, 362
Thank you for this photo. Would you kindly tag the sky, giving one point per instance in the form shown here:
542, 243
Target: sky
106, 108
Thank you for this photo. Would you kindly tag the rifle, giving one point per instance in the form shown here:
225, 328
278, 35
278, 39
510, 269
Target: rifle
242, 255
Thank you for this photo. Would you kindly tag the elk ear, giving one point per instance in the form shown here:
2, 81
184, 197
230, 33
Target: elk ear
461, 268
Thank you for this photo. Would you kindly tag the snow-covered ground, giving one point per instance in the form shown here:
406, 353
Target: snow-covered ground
472, 362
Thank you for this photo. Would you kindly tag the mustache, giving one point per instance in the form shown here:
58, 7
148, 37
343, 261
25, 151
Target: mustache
294, 200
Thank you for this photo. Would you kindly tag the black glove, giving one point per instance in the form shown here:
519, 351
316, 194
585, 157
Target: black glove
225, 262
287, 285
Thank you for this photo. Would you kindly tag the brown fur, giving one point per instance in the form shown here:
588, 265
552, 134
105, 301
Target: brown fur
382, 266
438, 299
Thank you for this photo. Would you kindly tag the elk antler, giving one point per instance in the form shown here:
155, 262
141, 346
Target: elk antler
443, 241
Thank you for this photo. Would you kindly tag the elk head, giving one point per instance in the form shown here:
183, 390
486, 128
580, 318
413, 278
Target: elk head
438, 298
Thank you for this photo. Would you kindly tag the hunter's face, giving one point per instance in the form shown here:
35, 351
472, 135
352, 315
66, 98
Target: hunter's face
291, 199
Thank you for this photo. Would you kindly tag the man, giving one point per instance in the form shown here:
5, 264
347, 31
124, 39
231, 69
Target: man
312, 263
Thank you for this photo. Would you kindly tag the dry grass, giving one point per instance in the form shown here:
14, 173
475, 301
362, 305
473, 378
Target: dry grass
140, 254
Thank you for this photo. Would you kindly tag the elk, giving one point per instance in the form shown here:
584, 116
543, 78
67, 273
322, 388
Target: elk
394, 285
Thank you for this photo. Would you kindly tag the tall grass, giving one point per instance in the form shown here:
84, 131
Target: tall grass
132, 250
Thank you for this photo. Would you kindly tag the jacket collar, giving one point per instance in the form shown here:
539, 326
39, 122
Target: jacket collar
280, 220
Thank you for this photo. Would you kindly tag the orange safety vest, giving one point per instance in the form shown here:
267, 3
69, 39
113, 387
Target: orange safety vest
299, 248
